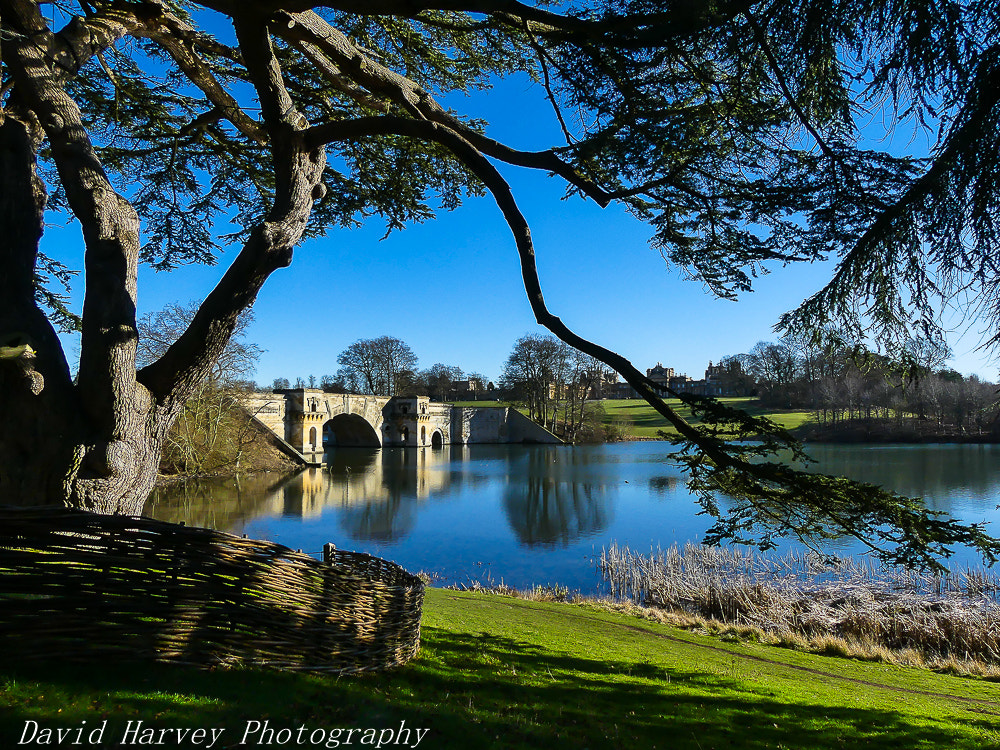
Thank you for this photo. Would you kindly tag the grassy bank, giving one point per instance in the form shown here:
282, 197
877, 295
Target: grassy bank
642, 421
852, 607
637, 419
497, 672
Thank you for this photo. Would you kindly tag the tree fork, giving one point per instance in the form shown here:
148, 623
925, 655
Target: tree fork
298, 165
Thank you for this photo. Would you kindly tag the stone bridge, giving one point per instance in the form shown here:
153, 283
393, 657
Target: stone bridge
310, 421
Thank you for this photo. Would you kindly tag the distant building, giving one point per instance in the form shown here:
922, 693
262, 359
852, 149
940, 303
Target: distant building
720, 380
727, 379
661, 375
465, 390
686, 384
598, 382
619, 391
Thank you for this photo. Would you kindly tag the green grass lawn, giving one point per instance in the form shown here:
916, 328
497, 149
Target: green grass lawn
507, 673
642, 421
639, 420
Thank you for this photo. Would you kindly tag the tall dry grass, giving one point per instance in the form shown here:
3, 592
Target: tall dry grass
849, 607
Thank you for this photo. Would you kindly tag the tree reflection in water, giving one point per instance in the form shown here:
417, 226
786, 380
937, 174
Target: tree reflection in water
225, 504
532, 512
553, 502
666, 485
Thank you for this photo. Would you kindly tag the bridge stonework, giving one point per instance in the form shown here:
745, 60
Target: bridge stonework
307, 419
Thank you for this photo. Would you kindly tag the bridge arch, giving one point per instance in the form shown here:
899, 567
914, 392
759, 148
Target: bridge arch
350, 430
306, 421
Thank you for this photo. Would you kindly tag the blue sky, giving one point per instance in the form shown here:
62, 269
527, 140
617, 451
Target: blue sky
451, 287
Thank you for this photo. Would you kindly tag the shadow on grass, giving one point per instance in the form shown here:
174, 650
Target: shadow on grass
471, 692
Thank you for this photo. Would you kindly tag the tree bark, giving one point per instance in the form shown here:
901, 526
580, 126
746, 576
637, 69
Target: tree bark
36, 395
96, 444
61, 443
116, 435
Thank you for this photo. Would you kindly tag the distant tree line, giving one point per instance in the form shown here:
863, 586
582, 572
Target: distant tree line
387, 366
842, 381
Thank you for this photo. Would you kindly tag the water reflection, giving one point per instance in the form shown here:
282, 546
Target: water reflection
548, 497
666, 485
956, 479
225, 504
533, 514
374, 493
542, 512
554, 502
553, 497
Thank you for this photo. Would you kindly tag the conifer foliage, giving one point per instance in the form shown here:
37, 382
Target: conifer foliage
731, 127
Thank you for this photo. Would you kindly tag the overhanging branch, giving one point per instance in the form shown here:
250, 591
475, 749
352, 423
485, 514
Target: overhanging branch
782, 499
631, 31
309, 28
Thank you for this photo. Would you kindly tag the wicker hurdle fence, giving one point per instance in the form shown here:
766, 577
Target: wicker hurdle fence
77, 585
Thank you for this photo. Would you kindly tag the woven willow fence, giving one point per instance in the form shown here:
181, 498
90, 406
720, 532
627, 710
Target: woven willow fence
76, 585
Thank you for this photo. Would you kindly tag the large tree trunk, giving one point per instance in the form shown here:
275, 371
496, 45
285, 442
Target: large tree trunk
53, 450
96, 443
36, 397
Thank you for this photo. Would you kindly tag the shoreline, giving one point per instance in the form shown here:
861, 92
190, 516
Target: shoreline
877, 434
168, 480
853, 440
844, 438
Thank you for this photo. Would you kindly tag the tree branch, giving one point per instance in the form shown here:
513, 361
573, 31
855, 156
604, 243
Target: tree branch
771, 493
543, 60
298, 168
467, 153
110, 224
82, 38
310, 28
786, 91
683, 18
180, 41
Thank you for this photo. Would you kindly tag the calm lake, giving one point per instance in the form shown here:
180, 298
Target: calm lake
535, 515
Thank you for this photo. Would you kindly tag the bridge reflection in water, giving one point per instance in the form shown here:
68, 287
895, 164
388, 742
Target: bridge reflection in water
375, 494
531, 514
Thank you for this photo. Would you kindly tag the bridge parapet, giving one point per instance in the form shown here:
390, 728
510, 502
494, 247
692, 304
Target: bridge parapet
309, 419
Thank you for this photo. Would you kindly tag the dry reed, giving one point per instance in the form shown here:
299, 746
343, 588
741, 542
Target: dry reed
848, 606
